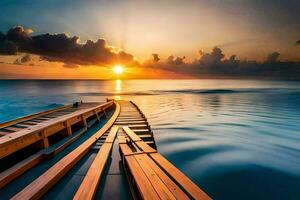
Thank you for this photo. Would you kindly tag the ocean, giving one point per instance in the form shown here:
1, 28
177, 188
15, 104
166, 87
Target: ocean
237, 139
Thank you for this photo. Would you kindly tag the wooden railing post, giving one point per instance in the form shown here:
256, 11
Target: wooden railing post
69, 129
45, 139
84, 121
96, 113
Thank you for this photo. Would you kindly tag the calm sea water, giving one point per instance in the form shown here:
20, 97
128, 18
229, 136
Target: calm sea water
236, 139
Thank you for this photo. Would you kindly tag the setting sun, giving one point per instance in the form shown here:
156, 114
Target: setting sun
118, 69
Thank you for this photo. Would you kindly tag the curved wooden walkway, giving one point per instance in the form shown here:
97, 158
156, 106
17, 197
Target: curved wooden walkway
118, 161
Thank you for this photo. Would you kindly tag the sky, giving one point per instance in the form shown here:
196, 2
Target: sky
249, 29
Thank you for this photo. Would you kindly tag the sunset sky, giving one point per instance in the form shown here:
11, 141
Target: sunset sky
249, 29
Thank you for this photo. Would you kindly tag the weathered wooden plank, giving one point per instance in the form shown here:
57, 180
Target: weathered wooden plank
130, 120
43, 183
131, 134
93, 176
141, 131
145, 147
112, 134
88, 187
175, 189
18, 169
122, 139
191, 188
159, 186
139, 126
143, 184
11, 128
126, 150
3, 133
128, 123
29, 123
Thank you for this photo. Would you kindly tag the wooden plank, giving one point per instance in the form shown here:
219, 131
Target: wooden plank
159, 186
122, 139
139, 126
43, 118
29, 123
191, 188
22, 124
175, 189
3, 133
131, 134
143, 184
126, 150
141, 131
44, 182
18, 169
88, 187
130, 123
145, 147
112, 134
11, 128
131, 120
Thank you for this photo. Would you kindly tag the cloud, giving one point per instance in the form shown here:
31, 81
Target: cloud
213, 58
61, 47
171, 60
215, 64
155, 57
273, 57
24, 59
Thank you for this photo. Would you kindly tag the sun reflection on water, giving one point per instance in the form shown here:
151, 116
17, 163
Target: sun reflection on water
118, 89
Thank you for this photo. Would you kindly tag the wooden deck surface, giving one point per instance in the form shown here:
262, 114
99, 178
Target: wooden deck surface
123, 149
153, 175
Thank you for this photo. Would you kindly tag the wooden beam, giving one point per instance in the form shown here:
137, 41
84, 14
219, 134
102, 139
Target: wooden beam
175, 189
8, 175
11, 128
112, 134
191, 188
143, 184
159, 186
145, 147
131, 134
93, 176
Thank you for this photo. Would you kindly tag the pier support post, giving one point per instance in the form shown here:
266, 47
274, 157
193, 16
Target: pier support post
96, 113
84, 121
45, 140
69, 130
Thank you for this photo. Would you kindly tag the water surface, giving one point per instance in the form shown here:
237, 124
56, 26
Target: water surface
236, 139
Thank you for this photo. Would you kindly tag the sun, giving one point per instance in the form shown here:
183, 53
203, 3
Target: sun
118, 69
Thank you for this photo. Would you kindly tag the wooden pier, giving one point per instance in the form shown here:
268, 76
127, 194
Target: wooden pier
119, 160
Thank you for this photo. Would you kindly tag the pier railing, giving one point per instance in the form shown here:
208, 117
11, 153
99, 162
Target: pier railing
39, 134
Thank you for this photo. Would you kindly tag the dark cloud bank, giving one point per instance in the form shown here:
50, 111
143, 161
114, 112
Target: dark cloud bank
60, 47
214, 64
